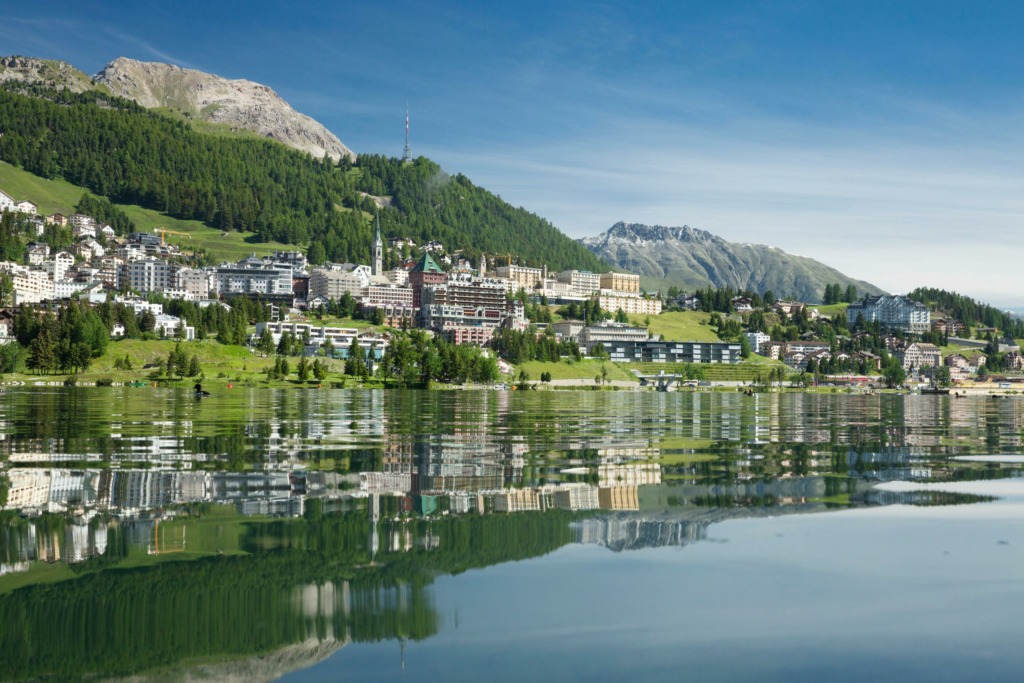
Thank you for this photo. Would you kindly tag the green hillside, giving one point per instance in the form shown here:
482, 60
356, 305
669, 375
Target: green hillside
58, 195
132, 156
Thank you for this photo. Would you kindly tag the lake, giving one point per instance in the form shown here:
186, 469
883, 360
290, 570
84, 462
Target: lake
451, 535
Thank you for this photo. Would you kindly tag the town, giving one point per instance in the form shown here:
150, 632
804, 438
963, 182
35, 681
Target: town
283, 298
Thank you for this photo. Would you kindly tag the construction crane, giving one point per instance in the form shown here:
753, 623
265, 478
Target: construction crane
164, 231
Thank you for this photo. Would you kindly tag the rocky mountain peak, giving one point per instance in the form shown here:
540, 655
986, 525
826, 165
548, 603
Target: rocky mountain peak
57, 74
691, 258
205, 97
639, 233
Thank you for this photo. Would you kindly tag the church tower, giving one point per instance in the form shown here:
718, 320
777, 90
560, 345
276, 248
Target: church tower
378, 252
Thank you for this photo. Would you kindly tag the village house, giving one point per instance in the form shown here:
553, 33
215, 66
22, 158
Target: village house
947, 326
788, 307
871, 360
742, 304
26, 207
84, 230
919, 355
36, 253
1015, 360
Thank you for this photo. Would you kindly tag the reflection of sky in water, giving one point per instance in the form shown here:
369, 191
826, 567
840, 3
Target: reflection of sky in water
896, 593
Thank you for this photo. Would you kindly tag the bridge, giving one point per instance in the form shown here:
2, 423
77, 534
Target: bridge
662, 381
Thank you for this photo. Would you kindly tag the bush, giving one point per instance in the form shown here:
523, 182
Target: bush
105, 382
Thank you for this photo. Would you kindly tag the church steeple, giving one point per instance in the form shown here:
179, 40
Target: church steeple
378, 252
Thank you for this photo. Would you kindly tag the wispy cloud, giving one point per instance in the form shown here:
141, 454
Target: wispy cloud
918, 207
146, 47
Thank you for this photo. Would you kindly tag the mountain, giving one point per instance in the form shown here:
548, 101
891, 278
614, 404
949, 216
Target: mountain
56, 74
117, 149
235, 103
690, 259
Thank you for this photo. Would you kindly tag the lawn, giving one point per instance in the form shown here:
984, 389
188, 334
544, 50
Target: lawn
585, 370
679, 326
51, 196
831, 309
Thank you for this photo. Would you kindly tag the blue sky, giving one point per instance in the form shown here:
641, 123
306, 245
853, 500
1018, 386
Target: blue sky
881, 138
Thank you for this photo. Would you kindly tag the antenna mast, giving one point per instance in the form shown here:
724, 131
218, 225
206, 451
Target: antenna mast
407, 154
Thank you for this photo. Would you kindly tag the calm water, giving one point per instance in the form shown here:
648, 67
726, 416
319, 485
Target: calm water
357, 535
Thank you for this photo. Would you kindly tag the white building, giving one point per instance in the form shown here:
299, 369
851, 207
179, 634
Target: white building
58, 266
891, 312
149, 275
584, 282
31, 286
756, 340
632, 305
25, 206
253, 277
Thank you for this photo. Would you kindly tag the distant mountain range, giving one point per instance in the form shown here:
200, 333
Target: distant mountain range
236, 104
690, 259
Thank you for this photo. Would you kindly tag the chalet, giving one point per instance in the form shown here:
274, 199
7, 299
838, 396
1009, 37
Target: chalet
58, 219
742, 304
689, 302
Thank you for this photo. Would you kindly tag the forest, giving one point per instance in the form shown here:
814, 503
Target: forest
127, 155
968, 311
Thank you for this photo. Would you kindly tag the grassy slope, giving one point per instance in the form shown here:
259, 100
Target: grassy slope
680, 326
61, 196
49, 195
585, 370
831, 309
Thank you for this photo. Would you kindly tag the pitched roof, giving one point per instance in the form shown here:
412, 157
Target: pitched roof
426, 264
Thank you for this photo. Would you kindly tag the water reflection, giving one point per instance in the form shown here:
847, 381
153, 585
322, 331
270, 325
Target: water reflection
295, 522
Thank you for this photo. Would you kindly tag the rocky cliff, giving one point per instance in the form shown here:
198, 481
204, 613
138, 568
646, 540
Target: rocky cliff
690, 258
30, 70
205, 97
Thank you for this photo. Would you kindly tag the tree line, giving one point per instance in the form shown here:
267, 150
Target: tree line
121, 152
968, 311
